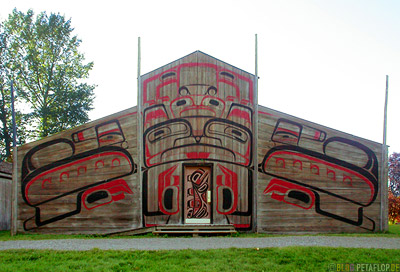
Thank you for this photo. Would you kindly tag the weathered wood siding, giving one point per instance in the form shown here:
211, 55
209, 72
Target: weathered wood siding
82, 180
315, 179
188, 153
198, 111
5, 201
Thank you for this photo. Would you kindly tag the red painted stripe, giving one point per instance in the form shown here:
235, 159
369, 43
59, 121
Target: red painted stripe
109, 131
240, 226
80, 136
266, 113
335, 166
197, 155
71, 164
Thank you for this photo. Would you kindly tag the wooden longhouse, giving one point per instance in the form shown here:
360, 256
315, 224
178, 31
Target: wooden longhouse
5, 195
199, 151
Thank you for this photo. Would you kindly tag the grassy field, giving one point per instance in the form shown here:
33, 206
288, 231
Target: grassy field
264, 259
268, 259
394, 232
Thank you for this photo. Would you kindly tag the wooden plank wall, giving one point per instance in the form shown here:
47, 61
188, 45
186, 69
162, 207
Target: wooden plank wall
315, 179
83, 180
5, 201
198, 111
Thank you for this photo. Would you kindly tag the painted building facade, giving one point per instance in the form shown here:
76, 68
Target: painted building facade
198, 149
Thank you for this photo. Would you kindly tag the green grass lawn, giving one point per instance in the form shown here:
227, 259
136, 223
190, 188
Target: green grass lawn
265, 259
393, 232
395, 229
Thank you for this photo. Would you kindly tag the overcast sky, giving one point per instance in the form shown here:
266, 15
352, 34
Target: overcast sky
323, 61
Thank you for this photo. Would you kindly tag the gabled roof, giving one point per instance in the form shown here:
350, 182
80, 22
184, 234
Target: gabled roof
200, 54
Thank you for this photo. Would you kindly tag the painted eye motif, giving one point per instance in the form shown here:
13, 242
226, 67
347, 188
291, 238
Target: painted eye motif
211, 91
184, 91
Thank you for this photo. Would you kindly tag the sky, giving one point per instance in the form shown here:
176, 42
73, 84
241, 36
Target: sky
322, 61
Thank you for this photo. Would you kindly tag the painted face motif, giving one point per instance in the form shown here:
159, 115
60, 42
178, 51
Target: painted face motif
197, 111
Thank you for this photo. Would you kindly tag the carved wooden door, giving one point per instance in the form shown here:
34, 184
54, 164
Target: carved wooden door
197, 195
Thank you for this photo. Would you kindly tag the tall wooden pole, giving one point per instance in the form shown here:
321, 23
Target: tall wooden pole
13, 116
139, 124
14, 193
256, 60
138, 78
385, 111
255, 126
14, 188
384, 168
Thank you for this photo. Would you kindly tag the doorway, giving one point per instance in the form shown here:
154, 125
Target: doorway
197, 194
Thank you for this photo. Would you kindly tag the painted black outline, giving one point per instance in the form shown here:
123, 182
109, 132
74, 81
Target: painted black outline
220, 120
151, 107
211, 187
27, 165
145, 209
106, 123
361, 171
290, 122
357, 223
69, 160
76, 133
370, 171
80, 191
249, 212
372, 160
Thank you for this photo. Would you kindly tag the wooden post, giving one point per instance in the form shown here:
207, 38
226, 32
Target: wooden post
384, 168
138, 73
139, 125
385, 110
14, 193
13, 116
255, 148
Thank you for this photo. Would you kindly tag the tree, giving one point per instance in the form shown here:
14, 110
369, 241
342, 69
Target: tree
5, 102
49, 71
394, 173
394, 208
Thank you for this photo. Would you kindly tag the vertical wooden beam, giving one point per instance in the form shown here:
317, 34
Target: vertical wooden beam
255, 137
384, 168
14, 193
13, 115
384, 190
139, 128
385, 110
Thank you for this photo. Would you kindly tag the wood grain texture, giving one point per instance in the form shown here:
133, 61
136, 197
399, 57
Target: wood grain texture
315, 179
198, 110
83, 180
5, 201
267, 171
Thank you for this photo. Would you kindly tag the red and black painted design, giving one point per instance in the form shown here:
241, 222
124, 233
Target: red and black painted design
196, 195
230, 197
290, 193
197, 112
168, 191
290, 164
195, 138
93, 177
168, 195
290, 132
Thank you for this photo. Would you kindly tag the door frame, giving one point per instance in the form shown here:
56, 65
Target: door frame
211, 166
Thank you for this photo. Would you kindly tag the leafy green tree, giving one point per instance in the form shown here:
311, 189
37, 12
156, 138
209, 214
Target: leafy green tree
5, 103
49, 71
